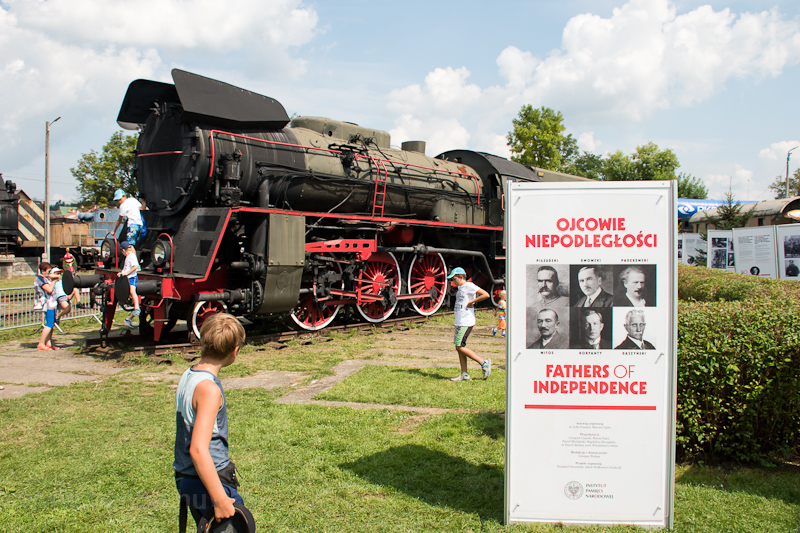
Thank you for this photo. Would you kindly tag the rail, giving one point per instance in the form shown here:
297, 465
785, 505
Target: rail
16, 308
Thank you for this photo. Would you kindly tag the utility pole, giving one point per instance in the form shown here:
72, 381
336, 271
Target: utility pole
787, 168
46, 254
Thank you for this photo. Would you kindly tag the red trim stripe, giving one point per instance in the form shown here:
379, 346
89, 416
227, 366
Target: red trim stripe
403, 221
596, 407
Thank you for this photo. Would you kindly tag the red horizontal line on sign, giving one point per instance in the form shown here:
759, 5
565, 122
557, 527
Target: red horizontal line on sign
598, 407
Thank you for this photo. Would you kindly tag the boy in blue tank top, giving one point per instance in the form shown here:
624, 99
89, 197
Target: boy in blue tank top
204, 475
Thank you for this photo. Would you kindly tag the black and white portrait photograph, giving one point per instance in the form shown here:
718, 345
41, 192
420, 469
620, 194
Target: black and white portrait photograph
630, 331
547, 285
792, 270
592, 285
591, 328
548, 328
635, 286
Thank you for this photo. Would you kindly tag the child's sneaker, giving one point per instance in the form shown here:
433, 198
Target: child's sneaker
461, 377
494, 332
137, 312
128, 322
487, 368
504, 334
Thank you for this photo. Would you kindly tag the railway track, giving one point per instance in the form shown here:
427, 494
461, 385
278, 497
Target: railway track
130, 342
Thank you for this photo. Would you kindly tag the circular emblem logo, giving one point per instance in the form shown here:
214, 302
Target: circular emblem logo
573, 490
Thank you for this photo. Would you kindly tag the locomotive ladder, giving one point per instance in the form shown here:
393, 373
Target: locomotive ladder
379, 200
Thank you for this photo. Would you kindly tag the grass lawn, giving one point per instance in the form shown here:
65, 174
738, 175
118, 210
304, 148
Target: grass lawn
96, 456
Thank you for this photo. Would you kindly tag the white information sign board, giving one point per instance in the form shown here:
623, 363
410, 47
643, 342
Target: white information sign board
788, 244
720, 250
689, 245
754, 251
590, 398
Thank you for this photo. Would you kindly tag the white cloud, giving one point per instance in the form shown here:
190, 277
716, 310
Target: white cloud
644, 57
778, 151
75, 59
587, 142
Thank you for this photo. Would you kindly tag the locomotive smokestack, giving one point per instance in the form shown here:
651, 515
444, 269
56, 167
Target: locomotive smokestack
414, 146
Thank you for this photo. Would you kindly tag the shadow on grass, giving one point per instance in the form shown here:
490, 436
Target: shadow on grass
426, 373
436, 478
781, 483
490, 424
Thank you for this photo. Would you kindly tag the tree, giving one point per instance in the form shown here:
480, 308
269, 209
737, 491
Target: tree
587, 165
100, 174
730, 214
647, 163
538, 139
691, 187
778, 186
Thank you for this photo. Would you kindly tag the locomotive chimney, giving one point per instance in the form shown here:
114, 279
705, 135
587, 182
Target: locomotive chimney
414, 146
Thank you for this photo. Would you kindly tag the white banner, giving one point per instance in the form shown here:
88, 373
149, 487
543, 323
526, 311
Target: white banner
754, 251
720, 250
788, 245
590, 401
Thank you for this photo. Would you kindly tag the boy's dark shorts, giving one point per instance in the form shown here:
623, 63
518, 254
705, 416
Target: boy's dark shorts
198, 498
461, 334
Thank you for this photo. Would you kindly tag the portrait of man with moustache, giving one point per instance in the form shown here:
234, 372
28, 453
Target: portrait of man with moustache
634, 326
636, 286
551, 336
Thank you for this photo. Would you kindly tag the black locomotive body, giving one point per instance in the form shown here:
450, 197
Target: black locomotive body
254, 214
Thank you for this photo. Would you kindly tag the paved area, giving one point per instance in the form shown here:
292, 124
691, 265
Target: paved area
26, 370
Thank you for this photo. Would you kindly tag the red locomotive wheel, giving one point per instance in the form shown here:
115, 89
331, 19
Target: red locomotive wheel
201, 312
426, 273
380, 270
309, 316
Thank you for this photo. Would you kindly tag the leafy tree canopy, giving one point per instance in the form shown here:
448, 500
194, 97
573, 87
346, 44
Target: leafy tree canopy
778, 187
538, 139
691, 187
100, 174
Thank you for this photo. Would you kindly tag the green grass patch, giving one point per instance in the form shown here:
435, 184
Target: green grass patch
421, 387
97, 457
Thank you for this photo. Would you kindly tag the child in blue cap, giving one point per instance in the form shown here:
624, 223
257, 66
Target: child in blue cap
467, 296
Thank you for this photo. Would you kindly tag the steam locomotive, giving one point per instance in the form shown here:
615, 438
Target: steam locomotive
251, 213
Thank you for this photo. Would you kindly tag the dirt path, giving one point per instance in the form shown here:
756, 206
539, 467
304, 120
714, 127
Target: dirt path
25, 370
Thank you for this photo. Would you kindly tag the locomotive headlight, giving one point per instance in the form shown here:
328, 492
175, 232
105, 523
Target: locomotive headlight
107, 251
161, 253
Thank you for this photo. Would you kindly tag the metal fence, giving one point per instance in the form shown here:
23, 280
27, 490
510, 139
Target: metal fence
16, 308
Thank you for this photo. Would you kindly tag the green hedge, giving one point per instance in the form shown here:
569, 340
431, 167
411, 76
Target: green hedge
738, 367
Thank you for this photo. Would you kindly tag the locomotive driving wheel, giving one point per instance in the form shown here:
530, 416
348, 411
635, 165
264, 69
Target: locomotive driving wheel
201, 312
379, 277
427, 274
312, 315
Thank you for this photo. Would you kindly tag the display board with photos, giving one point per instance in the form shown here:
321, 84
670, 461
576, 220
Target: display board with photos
720, 252
590, 397
788, 251
689, 247
755, 251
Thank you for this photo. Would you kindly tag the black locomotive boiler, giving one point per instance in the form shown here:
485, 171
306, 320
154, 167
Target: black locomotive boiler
252, 213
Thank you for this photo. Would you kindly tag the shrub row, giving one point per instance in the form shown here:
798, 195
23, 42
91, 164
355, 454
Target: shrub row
738, 367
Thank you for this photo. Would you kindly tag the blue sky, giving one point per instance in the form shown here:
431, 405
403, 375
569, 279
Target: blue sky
715, 82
